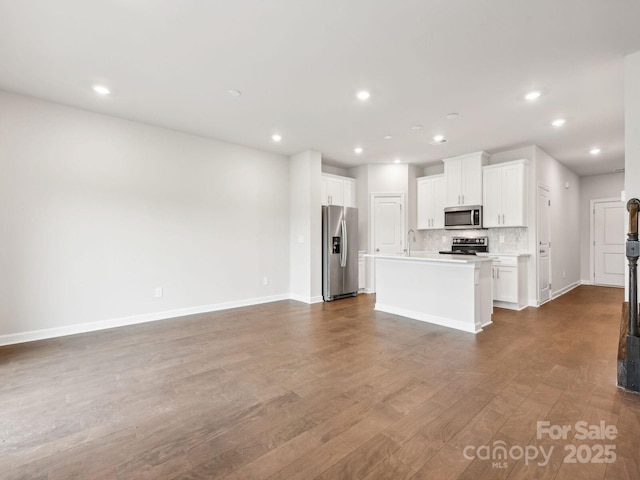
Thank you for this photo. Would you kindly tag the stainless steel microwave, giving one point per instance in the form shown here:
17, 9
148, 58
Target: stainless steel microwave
463, 218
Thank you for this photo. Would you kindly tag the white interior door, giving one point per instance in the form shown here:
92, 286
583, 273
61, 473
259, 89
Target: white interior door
609, 252
388, 224
544, 245
387, 228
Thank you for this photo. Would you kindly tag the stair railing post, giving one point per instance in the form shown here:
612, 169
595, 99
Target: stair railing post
633, 252
633, 341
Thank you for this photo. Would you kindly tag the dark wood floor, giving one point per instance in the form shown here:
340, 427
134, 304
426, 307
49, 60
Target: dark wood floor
328, 391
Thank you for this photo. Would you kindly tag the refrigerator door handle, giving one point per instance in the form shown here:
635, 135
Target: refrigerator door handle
343, 254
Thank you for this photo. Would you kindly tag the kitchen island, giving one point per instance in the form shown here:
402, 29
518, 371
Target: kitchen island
449, 290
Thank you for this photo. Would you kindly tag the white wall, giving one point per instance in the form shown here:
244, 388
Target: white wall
565, 220
436, 169
335, 170
632, 131
97, 212
306, 227
361, 174
594, 187
632, 126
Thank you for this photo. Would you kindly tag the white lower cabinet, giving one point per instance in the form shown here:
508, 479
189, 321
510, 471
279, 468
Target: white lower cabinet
362, 270
509, 281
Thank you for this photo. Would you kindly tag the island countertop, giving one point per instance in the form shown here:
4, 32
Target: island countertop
432, 257
449, 290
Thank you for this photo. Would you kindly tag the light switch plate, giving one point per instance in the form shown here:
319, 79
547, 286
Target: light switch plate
501, 238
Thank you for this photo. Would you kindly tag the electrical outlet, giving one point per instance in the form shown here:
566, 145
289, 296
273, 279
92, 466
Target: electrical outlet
564, 274
444, 239
501, 238
158, 292
265, 280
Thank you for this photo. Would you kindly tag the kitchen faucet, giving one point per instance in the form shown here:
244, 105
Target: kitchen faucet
407, 250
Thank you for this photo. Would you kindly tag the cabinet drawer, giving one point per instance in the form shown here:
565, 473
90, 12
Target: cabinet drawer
504, 261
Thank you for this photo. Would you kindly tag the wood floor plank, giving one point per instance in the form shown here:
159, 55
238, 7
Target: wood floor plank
294, 391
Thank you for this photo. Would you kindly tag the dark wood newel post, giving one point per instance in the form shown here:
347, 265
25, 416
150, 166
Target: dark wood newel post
632, 256
629, 362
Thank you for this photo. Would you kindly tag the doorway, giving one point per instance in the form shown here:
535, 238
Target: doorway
607, 242
544, 244
387, 224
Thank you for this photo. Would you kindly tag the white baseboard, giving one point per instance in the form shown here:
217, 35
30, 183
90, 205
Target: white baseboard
586, 282
303, 299
508, 305
33, 335
435, 319
564, 290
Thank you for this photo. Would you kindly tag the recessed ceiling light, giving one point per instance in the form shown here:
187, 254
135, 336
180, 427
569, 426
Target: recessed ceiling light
397, 160
558, 122
452, 116
387, 137
358, 150
363, 95
416, 127
234, 93
439, 138
531, 96
595, 151
101, 90
276, 138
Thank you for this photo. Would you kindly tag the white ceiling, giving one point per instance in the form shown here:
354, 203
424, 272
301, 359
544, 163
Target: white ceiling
299, 63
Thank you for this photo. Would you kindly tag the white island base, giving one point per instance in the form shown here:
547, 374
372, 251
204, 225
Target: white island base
449, 290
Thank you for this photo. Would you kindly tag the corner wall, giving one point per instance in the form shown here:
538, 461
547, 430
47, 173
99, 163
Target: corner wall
306, 227
594, 187
565, 221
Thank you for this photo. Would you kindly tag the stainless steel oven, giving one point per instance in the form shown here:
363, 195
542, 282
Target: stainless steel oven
468, 246
463, 218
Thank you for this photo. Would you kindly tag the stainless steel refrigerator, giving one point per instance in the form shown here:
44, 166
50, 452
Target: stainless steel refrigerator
339, 252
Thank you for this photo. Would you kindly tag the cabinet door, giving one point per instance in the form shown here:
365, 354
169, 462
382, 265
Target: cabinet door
324, 190
494, 282
471, 177
439, 199
514, 194
335, 191
506, 286
422, 207
492, 197
453, 179
349, 193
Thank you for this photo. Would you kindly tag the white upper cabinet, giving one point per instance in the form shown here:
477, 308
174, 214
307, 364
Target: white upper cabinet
463, 179
431, 195
338, 190
505, 194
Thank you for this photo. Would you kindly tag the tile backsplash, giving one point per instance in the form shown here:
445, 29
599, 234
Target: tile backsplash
515, 239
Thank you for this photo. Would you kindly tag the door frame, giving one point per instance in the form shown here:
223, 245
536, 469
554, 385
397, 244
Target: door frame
537, 250
370, 266
592, 235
